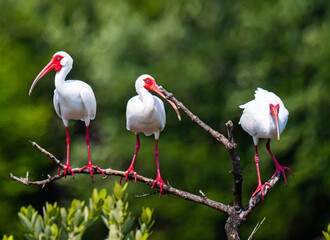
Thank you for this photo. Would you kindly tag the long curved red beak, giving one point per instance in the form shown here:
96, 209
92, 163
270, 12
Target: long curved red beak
155, 88
274, 113
51, 65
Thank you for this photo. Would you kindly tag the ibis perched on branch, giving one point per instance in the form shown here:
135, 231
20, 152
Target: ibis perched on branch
265, 117
145, 113
73, 99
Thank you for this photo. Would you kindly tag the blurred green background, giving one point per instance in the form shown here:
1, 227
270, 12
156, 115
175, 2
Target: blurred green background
212, 55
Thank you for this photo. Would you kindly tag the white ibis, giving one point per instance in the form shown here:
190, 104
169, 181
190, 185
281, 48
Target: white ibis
265, 117
73, 99
146, 113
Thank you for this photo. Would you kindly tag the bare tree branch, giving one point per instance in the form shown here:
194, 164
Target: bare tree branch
236, 213
167, 188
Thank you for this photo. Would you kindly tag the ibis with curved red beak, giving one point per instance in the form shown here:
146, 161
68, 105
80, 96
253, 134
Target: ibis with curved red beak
146, 113
265, 117
73, 99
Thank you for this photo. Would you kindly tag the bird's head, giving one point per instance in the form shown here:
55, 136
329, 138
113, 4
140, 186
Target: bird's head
148, 82
274, 109
59, 60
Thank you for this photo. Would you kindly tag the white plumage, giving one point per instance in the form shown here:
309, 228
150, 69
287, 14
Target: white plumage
73, 99
264, 117
256, 119
145, 113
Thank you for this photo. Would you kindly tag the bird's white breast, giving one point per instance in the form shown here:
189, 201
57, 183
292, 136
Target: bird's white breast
69, 101
140, 119
256, 118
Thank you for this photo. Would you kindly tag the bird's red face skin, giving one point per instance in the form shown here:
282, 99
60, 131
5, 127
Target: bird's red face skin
274, 112
55, 63
150, 84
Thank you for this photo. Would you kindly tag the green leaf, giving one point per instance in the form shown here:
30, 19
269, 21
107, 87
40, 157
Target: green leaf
118, 215
118, 191
78, 218
326, 235
99, 204
91, 205
89, 223
146, 215
125, 186
25, 222
103, 194
34, 218
38, 227
108, 204
329, 228
30, 211
138, 235
8, 238
48, 232
64, 214
95, 197
54, 229
127, 226
143, 228
129, 236
119, 205
106, 222
28, 237
113, 233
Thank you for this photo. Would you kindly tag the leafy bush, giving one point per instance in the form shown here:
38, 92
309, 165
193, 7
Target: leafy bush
61, 223
327, 234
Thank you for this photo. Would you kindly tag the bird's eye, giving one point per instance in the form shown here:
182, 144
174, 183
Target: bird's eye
58, 58
148, 81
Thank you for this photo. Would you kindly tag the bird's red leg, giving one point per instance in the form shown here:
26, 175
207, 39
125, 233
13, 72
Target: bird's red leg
90, 166
278, 166
260, 185
131, 167
67, 165
158, 178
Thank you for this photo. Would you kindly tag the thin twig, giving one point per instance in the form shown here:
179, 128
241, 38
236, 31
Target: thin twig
48, 154
146, 194
256, 228
218, 136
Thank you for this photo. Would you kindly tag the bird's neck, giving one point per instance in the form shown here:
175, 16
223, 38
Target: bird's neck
147, 99
60, 78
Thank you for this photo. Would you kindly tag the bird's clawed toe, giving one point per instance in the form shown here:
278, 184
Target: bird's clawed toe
66, 167
160, 181
280, 168
261, 188
129, 170
91, 169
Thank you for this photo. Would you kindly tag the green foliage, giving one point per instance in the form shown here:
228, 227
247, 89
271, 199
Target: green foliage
326, 234
7, 238
61, 223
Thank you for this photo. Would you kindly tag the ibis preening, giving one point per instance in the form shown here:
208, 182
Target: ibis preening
145, 113
265, 117
73, 99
